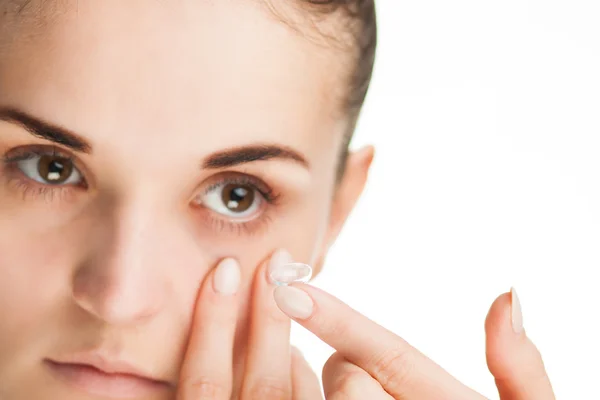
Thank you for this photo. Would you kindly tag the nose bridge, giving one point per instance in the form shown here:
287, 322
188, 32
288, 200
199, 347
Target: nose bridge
124, 280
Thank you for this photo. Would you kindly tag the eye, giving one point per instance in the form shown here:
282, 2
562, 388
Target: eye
50, 169
239, 201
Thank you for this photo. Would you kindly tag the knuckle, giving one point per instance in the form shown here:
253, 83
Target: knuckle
332, 364
343, 380
395, 368
203, 389
351, 385
269, 389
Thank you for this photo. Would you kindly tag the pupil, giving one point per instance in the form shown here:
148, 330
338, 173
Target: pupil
238, 198
54, 170
56, 167
238, 194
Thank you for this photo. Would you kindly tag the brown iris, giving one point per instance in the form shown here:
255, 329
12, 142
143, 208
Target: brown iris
238, 198
55, 170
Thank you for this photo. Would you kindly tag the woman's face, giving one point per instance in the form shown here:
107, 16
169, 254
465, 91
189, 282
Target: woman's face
141, 143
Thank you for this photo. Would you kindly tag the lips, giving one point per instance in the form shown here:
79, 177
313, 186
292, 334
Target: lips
101, 376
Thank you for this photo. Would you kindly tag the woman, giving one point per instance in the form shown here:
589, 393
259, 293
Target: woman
157, 159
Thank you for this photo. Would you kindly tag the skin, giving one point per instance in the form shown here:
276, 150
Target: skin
126, 264
117, 265
372, 362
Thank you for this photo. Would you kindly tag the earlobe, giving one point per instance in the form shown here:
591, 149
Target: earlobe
347, 194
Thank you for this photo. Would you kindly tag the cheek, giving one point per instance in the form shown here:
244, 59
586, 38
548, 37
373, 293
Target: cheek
32, 267
36, 214
33, 278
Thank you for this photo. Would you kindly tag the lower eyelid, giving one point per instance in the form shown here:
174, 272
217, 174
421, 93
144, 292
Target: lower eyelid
251, 228
31, 191
222, 224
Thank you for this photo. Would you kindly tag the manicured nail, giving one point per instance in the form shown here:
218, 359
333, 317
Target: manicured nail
283, 271
516, 312
294, 302
227, 277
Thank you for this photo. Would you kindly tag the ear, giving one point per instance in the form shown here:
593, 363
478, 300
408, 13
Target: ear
347, 194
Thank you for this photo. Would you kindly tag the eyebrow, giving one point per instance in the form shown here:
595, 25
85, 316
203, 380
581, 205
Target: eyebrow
45, 130
258, 152
219, 160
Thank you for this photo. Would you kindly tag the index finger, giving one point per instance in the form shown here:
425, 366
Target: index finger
207, 370
401, 369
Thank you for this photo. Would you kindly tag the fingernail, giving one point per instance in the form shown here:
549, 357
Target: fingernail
227, 277
516, 312
294, 302
283, 271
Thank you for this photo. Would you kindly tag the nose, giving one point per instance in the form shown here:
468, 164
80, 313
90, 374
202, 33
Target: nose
125, 280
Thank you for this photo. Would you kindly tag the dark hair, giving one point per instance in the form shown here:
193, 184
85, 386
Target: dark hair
362, 26
358, 32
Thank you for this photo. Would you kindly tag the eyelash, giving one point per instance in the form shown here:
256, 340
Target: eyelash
32, 190
251, 227
239, 228
245, 180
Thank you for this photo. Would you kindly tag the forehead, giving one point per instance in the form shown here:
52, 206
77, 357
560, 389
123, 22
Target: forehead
219, 68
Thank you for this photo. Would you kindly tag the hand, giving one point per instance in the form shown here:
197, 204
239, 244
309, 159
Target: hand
373, 363
272, 370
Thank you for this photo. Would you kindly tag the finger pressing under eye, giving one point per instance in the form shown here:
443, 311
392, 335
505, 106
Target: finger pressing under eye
305, 383
208, 366
512, 358
268, 362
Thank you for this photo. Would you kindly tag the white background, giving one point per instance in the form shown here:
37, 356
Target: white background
486, 119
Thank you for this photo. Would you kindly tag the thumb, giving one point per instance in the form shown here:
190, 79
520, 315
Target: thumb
512, 358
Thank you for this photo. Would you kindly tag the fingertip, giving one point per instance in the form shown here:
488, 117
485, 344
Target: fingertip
294, 302
499, 335
264, 307
512, 358
221, 283
505, 315
368, 152
278, 258
227, 277
498, 314
505, 344
261, 280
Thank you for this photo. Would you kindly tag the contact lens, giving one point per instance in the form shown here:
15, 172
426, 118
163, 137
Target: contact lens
285, 274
